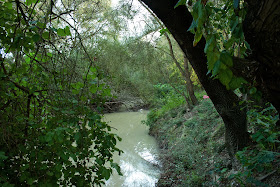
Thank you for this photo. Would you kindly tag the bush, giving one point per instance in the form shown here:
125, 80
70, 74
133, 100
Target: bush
261, 157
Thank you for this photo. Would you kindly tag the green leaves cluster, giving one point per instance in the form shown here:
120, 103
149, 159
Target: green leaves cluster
199, 18
222, 29
25, 34
51, 98
262, 157
263, 123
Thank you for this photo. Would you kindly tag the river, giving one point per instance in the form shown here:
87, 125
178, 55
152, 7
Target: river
138, 163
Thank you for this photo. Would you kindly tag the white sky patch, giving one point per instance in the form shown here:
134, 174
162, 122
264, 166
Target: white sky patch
137, 25
114, 3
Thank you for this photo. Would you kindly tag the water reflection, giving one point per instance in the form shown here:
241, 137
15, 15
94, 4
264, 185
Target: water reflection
138, 163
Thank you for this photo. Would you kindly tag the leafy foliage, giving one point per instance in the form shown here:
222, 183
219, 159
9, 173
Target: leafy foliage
132, 67
262, 157
51, 127
219, 24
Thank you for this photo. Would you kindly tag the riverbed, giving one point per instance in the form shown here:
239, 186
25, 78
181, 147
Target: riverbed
138, 163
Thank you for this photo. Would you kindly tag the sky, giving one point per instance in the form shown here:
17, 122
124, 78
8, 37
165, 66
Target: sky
137, 25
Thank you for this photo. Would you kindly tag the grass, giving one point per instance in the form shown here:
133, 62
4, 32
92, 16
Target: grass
190, 142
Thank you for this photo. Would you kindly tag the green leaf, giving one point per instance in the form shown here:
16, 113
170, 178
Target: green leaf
235, 4
75, 91
216, 68
201, 15
225, 77
238, 32
106, 92
36, 37
3, 156
193, 26
117, 167
61, 32
49, 173
253, 91
77, 136
77, 85
93, 69
197, 37
212, 58
224, 170
41, 25
234, 22
228, 44
46, 35
9, 5
247, 45
180, 2
260, 138
93, 89
226, 59
196, 10
67, 31
210, 43
106, 173
30, 181
99, 161
236, 82
271, 139
29, 2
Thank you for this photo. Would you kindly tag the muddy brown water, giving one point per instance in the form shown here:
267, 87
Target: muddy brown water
138, 163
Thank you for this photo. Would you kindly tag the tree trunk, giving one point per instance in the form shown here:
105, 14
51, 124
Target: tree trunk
189, 81
226, 102
186, 74
262, 32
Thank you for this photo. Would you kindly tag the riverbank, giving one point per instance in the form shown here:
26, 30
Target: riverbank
193, 151
131, 104
191, 144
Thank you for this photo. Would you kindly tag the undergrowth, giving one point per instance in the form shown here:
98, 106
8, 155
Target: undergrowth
189, 141
193, 147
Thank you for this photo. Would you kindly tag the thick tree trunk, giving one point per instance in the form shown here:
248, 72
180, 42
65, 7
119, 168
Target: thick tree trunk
226, 102
262, 32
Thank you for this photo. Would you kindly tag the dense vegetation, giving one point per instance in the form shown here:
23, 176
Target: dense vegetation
222, 31
60, 65
193, 149
237, 76
64, 62
51, 100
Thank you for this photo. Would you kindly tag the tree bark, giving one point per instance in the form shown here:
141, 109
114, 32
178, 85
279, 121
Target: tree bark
262, 32
226, 102
189, 81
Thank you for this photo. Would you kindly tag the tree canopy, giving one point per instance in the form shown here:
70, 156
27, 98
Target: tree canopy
222, 41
